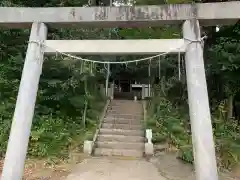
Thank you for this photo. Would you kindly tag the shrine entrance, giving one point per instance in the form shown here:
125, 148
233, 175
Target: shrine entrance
191, 16
122, 84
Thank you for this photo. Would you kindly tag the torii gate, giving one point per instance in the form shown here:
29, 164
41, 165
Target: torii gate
191, 15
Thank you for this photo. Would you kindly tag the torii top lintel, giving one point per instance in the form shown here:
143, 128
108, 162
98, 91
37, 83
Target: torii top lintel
126, 16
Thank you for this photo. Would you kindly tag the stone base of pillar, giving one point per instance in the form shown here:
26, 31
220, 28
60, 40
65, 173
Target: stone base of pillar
149, 149
88, 147
135, 98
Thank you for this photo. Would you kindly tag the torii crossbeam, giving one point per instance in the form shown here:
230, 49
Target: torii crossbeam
189, 15
115, 47
125, 16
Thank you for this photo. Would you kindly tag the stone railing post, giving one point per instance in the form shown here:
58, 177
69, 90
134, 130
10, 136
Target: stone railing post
149, 150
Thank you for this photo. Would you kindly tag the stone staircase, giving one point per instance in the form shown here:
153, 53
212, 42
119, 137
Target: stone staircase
122, 132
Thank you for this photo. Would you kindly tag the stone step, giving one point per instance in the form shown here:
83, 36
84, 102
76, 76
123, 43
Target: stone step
122, 132
121, 126
123, 111
118, 152
119, 138
122, 121
126, 107
123, 116
126, 115
136, 105
125, 101
120, 145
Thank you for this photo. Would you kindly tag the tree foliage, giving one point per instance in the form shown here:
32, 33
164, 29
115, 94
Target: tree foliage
69, 100
168, 110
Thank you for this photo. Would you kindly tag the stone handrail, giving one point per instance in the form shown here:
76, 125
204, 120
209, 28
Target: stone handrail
101, 120
149, 149
144, 112
89, 145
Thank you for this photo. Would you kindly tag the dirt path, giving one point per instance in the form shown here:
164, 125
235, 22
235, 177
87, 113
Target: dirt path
36, 169
173, 169
163, 166
115, 169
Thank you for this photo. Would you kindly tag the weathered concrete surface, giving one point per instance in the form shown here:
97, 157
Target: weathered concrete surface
199, 110
149, 150
22, 119
174, 169
115, 169
209, 13
114, 47
88, 147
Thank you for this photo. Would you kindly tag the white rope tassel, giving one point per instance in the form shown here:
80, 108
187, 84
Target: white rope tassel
149, 78
108, 69
91, 68
82, 67
179, 66
159, 67
107, 79
149, 69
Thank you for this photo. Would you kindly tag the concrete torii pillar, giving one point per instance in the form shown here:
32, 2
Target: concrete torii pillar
200, 117
22, 119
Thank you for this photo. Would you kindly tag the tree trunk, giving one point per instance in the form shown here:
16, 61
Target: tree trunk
86, 104
85, 114
230, 107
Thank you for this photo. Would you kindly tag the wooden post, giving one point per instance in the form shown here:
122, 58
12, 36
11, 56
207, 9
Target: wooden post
112, 90
202, 134
22, 119
143, 91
